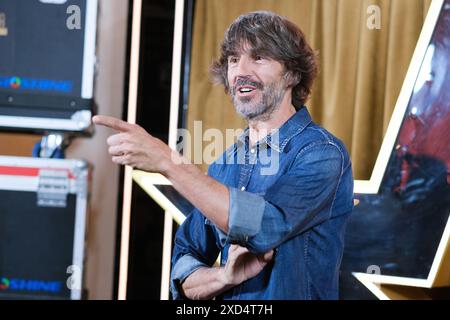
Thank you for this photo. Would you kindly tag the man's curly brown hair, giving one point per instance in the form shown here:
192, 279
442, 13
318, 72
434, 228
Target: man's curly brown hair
270, 35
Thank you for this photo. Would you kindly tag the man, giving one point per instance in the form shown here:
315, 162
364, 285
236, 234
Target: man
280, 234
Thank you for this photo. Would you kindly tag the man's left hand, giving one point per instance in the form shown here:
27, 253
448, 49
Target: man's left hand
243, 265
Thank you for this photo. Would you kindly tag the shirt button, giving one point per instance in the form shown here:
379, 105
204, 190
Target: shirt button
243, 188
252, 150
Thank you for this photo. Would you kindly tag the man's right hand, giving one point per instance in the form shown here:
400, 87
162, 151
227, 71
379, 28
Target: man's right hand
243, 265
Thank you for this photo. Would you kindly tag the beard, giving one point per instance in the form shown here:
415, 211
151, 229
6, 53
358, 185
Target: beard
263, 105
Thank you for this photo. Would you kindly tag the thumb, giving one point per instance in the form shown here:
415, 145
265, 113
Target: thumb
268, 256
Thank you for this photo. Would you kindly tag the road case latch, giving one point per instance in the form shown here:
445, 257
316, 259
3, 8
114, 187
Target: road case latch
53, 188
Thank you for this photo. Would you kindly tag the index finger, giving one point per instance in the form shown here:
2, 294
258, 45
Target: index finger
113, 123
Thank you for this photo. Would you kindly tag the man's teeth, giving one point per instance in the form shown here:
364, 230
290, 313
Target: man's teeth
244, 90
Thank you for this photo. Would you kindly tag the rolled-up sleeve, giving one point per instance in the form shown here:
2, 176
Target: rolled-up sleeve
182, 269
195, 246
299, 199
242, 226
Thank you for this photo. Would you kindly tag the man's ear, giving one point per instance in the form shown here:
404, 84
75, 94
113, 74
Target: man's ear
292, 79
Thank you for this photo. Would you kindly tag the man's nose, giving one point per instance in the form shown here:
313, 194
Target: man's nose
244, 68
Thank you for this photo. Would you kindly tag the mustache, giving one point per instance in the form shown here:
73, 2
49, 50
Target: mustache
247, 81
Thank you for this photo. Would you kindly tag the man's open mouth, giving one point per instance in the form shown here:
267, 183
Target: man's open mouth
246, 89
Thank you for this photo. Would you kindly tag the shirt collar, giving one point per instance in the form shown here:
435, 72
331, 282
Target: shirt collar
281, 137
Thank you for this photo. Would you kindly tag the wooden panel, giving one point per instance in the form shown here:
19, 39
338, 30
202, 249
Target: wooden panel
17, 144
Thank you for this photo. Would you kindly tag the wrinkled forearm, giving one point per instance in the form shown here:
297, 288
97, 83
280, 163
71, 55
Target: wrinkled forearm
205, 284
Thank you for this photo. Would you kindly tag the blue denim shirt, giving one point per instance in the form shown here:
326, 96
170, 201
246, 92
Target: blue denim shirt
291, 192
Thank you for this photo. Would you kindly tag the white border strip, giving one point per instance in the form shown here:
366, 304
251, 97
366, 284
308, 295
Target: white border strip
79, 238
43, 123
90, 30
176, 73
444, 245
38, 162
25, 183
374, 288
372, 186
128, 180
19, 183
151, 177
399, 281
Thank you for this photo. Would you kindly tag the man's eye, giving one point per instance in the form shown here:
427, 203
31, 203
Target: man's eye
258, 58
232, 60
